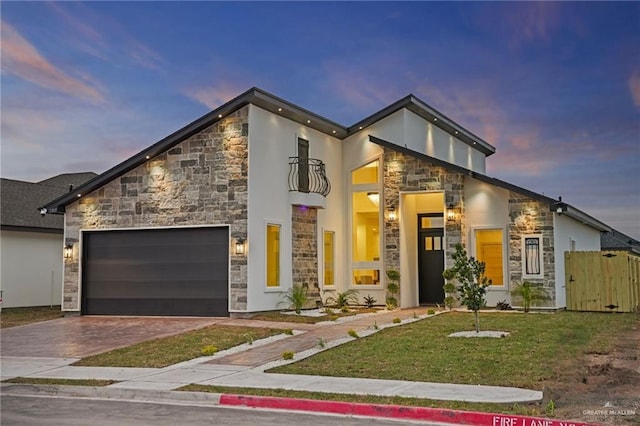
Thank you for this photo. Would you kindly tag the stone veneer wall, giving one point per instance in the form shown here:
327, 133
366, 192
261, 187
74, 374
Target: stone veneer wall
304, 253
406, 173
528, 216
201, 181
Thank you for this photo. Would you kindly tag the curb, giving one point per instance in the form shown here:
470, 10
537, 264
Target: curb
400, 412
392, 411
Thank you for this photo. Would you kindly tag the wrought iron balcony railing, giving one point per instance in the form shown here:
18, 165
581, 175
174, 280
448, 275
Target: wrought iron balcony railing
308, 176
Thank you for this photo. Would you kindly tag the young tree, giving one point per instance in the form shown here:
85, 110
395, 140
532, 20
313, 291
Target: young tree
472, 283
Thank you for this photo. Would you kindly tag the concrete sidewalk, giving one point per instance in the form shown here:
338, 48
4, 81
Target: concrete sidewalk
244, 366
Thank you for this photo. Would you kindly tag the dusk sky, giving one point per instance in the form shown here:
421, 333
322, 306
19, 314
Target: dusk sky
555, 87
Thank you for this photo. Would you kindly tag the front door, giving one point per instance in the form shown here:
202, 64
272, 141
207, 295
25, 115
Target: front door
430, 261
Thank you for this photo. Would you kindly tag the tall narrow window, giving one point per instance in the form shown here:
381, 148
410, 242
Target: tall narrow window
303, 165
273, 255
532, 256
329, 254
366, 221
489, 248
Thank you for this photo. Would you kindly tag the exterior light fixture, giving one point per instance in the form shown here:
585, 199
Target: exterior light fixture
240, 247
219, 115
68, 251
279, 109
453, 214
79, 195
391, 213
308, 121
435, 119
148, 157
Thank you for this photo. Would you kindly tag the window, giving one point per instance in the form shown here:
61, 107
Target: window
329, 254
366, 222
366, 174
365, 227
489, 249
303, 165
273, 255
532, 256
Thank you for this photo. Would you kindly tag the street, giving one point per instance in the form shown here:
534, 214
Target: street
52, 411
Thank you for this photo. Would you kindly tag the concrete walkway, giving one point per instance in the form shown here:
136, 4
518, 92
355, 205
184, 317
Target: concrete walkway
244, 366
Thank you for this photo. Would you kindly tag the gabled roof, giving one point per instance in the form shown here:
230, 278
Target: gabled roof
615, 240
277, 106
554, 205
20, 201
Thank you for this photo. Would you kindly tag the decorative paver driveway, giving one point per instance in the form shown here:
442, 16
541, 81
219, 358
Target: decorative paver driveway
79, 337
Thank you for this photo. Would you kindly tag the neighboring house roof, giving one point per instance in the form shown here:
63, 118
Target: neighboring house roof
21, 200
554, 205
614, 240
280, 107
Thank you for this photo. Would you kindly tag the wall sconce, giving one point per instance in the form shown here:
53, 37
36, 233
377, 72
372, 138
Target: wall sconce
453, 215
67, 252
240, 246
391, 213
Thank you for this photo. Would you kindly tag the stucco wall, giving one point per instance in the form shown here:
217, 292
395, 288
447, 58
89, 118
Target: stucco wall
487, 207
201, 181
31, 265
272, 141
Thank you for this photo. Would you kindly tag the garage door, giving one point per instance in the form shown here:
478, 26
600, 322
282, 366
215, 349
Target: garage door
179, 271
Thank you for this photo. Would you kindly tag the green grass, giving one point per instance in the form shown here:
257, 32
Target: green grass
65, 382
166, 351
533, 409
12, 317
536, 350
280, 317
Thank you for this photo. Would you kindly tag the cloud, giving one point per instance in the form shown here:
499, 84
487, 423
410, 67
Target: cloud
214, 96
22, 59
634, 87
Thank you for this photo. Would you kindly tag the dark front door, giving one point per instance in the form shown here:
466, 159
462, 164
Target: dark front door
179, 271
430, 264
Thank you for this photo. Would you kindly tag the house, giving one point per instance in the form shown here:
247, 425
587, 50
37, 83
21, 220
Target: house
224, 215
31, 243
617, 241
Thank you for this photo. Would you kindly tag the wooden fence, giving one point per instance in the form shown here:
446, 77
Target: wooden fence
602, 281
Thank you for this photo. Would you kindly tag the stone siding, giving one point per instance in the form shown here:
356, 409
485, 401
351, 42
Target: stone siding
528, 216
406, 173
201, 181
304, 253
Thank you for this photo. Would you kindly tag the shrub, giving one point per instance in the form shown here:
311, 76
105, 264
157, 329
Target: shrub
321, 342
288, 332
209, 350
392, 303
393, 287
342, 300
287, 355
397, 320
469, 273
353, 333
530, 293
296, 297
503, 305
369, 301
431, 312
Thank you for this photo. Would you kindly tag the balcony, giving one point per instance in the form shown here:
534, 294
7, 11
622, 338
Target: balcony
308, 183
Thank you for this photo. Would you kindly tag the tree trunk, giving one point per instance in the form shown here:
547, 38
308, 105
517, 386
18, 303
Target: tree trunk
475, 313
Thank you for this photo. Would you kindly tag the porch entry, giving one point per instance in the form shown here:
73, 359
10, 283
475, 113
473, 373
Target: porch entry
430, 258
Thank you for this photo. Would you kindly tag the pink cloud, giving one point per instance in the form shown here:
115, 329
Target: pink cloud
22, 59
214, 96
634, 87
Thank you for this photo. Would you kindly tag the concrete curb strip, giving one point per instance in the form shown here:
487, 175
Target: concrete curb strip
289, 404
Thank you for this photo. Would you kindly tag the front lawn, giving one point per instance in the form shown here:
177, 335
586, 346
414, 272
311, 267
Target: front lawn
167, 351
11, 317
539, 347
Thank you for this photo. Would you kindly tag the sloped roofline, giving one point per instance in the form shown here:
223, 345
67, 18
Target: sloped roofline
554, 205
277, 106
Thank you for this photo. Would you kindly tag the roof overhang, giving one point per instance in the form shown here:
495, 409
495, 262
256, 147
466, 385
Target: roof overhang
556, 206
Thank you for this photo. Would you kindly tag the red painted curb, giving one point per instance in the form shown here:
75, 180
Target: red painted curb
474, 418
